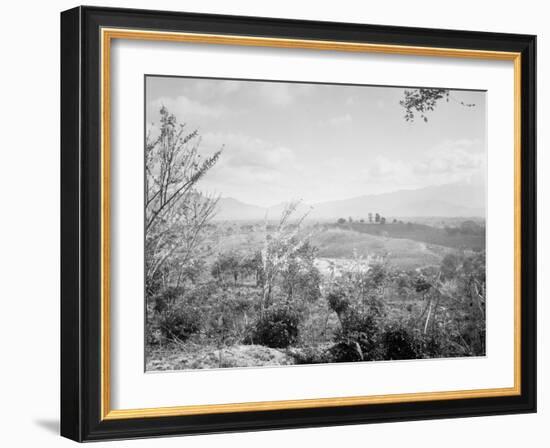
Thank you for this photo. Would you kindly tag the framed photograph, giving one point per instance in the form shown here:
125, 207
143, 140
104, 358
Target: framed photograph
273, 223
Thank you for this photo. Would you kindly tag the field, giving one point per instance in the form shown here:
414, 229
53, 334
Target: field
405, 246
468, 235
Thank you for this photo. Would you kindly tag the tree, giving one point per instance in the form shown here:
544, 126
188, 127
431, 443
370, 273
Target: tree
461, 283
299, 276
176, 214
341, 221
227, 264
252, 265
382, 220
422, 101
279, 246
377, 218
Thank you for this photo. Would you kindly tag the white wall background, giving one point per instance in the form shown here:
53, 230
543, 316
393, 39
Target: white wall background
29, 228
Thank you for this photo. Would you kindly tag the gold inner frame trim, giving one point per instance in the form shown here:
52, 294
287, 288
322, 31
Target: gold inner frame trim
107, 35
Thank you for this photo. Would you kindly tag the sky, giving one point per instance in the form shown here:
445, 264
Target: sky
319, 142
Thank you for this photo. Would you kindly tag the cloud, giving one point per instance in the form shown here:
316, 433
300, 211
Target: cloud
251, 169
227, 87
276, 94
281, 94
184, 109
450, 162
243, 150
208, 89
340, 120
454, 158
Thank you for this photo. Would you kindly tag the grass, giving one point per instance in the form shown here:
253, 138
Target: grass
182, 357
337, 243
423, 233
344, 244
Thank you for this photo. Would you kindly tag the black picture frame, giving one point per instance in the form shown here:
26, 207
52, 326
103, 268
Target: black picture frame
81, 224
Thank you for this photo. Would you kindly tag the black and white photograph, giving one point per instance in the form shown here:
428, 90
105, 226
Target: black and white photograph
285, 219
296, 223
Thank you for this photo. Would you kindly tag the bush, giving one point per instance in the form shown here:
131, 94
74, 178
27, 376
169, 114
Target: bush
338, 302
311, 355
153, 335
449, 266
348, 350
421, 284
227, 264
400, 343
278, 328
166, 298
474, 336
180, 322
433, 348
225, 321
358, 339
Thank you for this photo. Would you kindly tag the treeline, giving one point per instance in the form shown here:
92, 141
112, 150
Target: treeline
373, 218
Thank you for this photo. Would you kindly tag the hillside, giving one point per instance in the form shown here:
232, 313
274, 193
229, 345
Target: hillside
451, 200
400, 252
340, 243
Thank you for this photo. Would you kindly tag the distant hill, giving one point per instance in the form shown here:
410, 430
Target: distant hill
451, 200
233, 209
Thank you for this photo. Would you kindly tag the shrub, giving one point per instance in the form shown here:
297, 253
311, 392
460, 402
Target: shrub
474, 336
278, 328
403, 281
225, 317
227, 264
400, 343
358, 339
347, 351
421, 284
377, 275
153, 335
180, 322
166, 298
338, 302
311, 355
201, 294
299, 278
432, 347
449, 266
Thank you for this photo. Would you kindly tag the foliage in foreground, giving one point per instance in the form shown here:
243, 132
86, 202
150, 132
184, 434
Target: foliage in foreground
364, 314
277, 328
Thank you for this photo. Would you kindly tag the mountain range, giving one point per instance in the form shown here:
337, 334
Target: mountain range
450, 200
